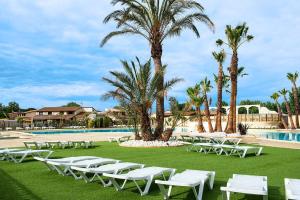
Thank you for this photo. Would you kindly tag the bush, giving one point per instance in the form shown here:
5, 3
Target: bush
91, 123
243, 128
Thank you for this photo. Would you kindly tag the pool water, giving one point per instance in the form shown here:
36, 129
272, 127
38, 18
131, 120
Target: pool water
295, 137
83, 131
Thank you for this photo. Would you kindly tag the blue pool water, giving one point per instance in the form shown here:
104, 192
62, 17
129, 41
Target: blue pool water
83, 131
295, 137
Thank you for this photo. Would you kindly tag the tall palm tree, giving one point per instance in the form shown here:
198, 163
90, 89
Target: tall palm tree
206, 88
220, 58
284, 92
235, 38
275, 96
196, 100
138, 87
157, 20
293, 77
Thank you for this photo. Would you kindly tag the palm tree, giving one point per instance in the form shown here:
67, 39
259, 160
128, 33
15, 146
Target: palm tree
275, 96
206, 87
156, 21
293, 77
284, 92
196, 100
220, 58
138, 88
235, 38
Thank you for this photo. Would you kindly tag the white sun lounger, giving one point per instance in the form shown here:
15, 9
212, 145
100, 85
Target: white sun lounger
109, 169
119, 139
64, 160
146, 174
242, 151
37, 145
14, 155
58, 144
4, 152
84, 144
292, 189
65, 168
188, 178
246, 184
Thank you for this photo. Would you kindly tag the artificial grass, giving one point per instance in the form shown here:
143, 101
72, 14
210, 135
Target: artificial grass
32, 180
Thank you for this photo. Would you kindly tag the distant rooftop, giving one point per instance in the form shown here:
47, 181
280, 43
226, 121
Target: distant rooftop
58, 109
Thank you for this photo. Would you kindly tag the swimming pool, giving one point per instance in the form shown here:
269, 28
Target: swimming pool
83, 131
295, 137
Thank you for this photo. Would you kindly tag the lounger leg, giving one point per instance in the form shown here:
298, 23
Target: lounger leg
211, 180
244, 154
163, 191
265, 197
226, 194
146, 190
21, 159
170, 190
259, 151
116, 185
200, 193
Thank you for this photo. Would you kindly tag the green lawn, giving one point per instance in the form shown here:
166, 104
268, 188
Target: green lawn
32, 180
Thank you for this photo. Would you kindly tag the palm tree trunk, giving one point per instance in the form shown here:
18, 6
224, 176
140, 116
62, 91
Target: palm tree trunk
156, 53
207, 113
200, 126
231, 128
146, 126
296, 102
289, 113
218, 125
280, 116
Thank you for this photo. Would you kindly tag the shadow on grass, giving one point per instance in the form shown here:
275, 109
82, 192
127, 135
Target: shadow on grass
12, 189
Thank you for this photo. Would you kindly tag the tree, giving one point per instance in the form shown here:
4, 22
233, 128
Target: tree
220, 58
293, 77
177, 118
275, 96
196, 100
284, 92
206, 88
138, 87
235, 38
13, 107
72, 104
156, 21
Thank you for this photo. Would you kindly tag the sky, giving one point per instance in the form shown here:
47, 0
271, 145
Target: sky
50, 53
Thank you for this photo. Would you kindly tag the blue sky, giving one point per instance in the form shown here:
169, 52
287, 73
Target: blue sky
50, 54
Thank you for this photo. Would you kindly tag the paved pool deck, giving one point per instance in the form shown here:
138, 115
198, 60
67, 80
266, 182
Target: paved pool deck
20, 137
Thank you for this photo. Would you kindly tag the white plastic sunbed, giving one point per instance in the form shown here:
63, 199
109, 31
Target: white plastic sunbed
292, 189
64, 160
119, 139
146, 174
65, 168
4, 152
242, 151
37, 145
246, 184
109, 169
188, 178
84, 144
14, 155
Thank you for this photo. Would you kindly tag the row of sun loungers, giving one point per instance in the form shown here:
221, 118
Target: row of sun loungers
19, 155
58, 144
113, 170
110, 172
228, 146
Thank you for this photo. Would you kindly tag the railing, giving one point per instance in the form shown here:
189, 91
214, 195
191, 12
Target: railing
258, 118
